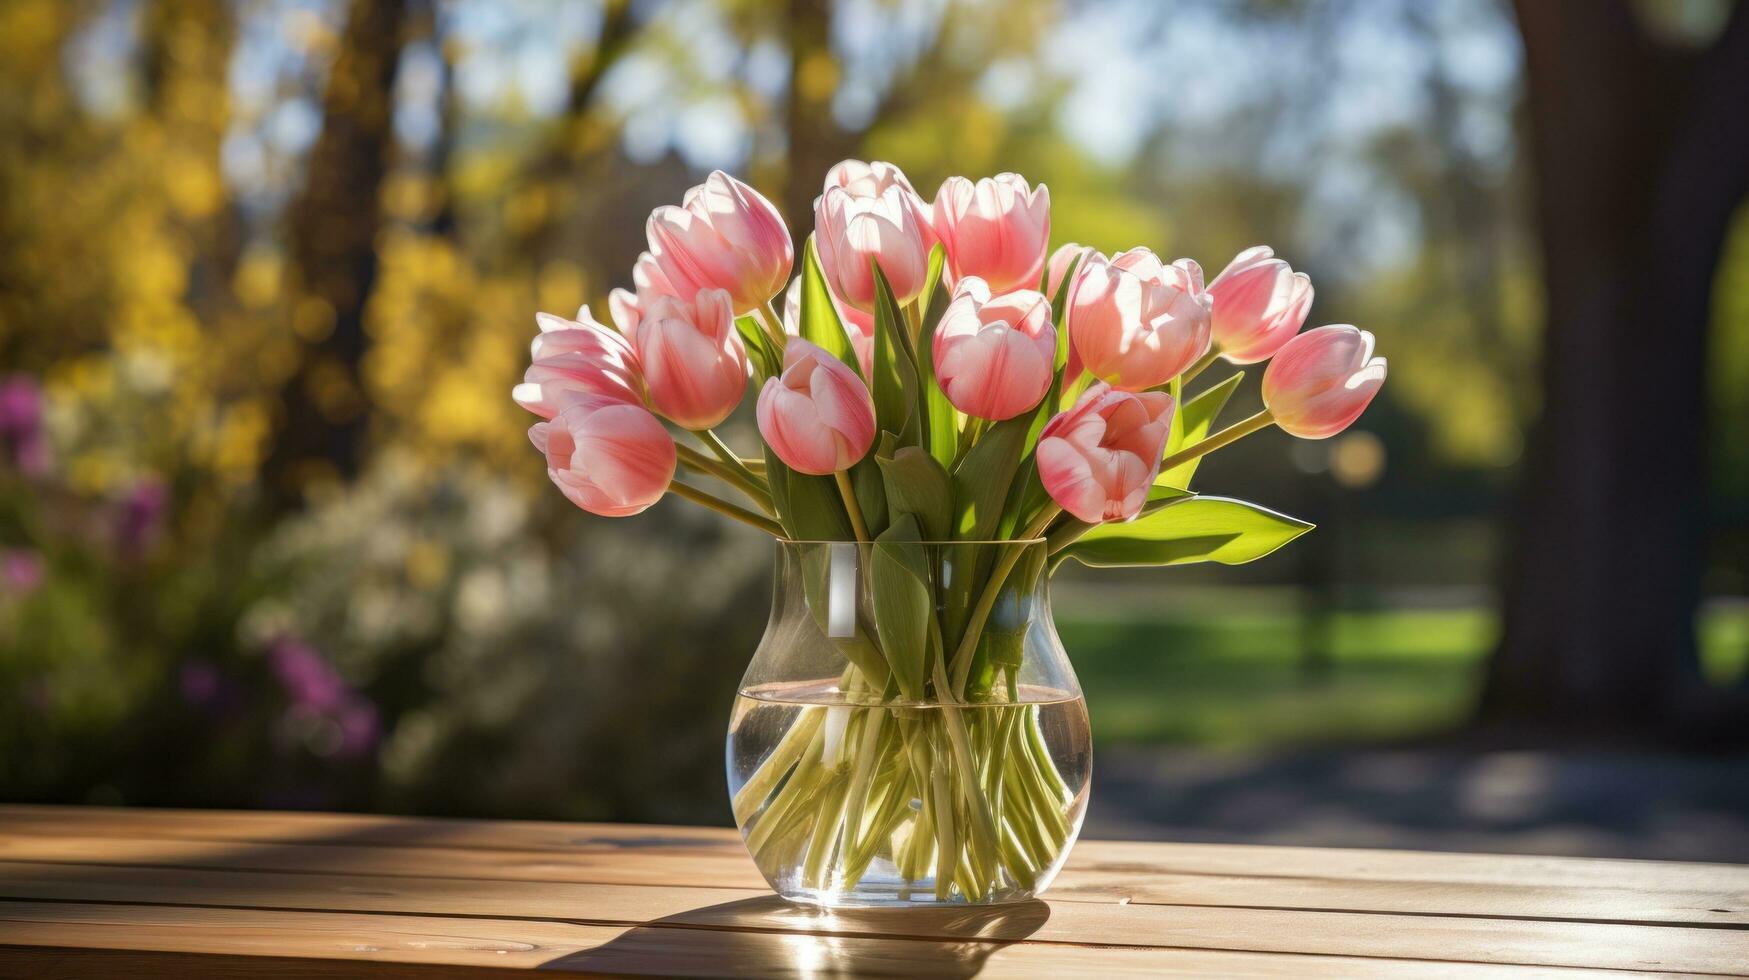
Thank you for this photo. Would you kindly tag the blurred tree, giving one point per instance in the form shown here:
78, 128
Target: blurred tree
333, 239
1641, 151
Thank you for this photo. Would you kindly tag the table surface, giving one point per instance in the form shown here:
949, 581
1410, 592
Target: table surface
123, 893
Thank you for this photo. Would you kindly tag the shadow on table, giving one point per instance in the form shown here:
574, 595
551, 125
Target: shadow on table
767, 936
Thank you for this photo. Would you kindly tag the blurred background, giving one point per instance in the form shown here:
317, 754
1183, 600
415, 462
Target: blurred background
271, 534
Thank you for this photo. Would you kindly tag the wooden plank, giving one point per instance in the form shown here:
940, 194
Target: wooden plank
1092, 882
38, 939
1231, 860
1498, 941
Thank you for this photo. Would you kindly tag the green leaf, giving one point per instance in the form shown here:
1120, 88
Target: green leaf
766, 362
931, 297
895, 370
871, 492
818, 320
982, 479
809, 507
941, 421
899, 583
918, 486
1193, 529
1191, 424
1071, 529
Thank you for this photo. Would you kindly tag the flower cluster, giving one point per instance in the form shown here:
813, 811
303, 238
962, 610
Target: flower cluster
947, 325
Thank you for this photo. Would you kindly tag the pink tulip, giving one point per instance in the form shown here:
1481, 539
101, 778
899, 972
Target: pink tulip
724, 236
1059, 264
817, 416
607, 457
1321, 381
857, 324
1136, 322
851, 230
1098, 459
995, 356
574, 358
1260, 303
996, 229
694, 361
871, 180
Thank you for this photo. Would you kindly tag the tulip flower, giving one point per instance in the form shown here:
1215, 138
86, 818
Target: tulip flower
817, 415
871, 180
1098, 459
851, 230
1136, 322
1260, 303
607, 457
724, 236
859, 326
1321, 381
995, 355
996, 229
1059, 264
694, 361
577, 357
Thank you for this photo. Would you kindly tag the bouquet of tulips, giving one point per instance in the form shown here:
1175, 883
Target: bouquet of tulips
936, 374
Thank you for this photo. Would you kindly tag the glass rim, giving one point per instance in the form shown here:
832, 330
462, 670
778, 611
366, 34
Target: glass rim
925, 542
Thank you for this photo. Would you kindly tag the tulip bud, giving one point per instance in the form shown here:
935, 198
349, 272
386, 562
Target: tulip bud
1260, 303
1136, 322
997, 229
1321, 381
607, 457
1098, 459
724, 236
995, 356
817, 416
574, 358
1059, 264
859, 326
850, 231
871, 180
694, 361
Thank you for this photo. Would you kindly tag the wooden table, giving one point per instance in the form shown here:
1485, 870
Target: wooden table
87, 892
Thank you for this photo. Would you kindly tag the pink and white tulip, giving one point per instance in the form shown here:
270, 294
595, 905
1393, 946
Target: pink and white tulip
607, 457
1321, 381
859, 326
817, 415
1059, 264
1098, 459
872, 179
996, 229
695, 363
995, 355
850, 230
1136, 322
724, 236
573, 358
1260, 303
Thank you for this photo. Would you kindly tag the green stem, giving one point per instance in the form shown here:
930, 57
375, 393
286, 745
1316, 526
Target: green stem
962, 657
1231, 434
773, 325
849, 494
1201, 365
704, 464
730, 458
725, 508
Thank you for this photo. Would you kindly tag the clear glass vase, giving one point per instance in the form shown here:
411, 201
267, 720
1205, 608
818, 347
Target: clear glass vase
909, 731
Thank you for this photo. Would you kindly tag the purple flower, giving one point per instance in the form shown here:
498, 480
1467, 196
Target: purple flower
307, 678
22, 441
21, 571
139, 516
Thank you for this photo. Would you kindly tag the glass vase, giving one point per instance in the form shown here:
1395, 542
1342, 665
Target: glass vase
909, 731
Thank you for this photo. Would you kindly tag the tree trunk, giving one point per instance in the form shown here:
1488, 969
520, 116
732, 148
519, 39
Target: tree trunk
334, 225
1641, 153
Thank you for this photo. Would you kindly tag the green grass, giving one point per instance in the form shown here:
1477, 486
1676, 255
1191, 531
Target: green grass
1235, 680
